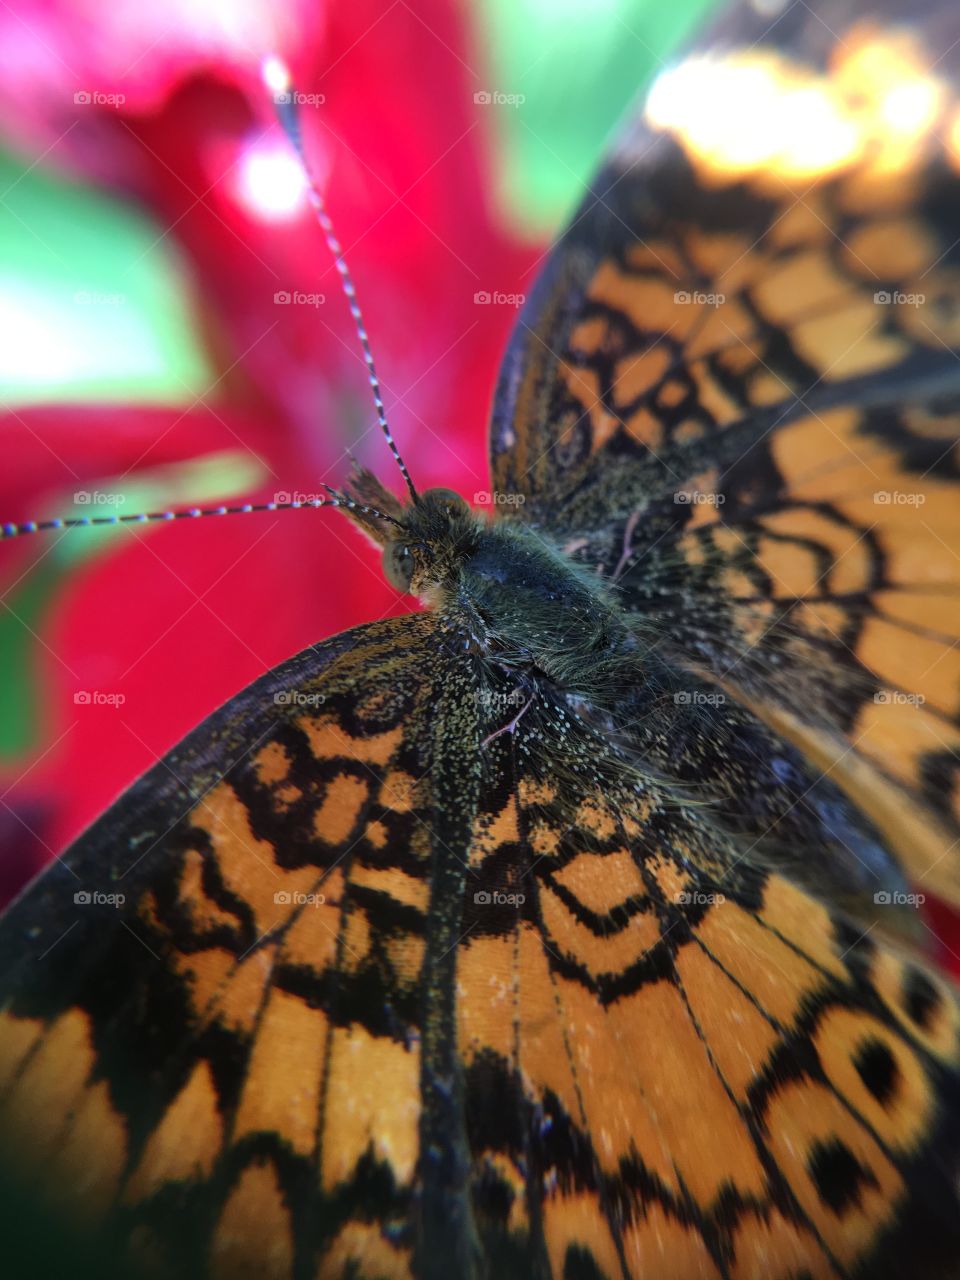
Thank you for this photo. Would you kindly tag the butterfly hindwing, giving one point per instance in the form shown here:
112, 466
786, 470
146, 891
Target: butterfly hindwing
734, 392
684, 1075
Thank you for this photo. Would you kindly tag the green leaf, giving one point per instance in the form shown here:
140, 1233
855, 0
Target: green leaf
571, 68
94, 302
20, 618
216, 477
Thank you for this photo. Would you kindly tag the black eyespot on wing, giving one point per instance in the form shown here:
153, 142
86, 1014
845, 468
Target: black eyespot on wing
878, 1070
921, 997
579, 1265
838, 1174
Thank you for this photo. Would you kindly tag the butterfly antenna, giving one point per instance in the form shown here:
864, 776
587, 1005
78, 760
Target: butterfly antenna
277, 79
10, 530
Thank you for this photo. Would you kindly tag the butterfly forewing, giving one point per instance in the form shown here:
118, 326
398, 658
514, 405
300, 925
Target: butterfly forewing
212, 1016
735, 392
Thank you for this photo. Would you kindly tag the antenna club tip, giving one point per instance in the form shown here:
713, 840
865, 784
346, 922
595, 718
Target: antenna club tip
276, 74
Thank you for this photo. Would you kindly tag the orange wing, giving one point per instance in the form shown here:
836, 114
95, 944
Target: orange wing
679, 1065
380, 1002
210, 1041
735, 392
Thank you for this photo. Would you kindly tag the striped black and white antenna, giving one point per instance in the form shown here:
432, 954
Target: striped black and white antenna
277, 79
8, 529
278, 82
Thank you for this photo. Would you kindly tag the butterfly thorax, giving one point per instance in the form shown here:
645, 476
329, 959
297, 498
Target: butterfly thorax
518, 598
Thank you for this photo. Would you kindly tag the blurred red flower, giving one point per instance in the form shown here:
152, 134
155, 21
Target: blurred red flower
166, 108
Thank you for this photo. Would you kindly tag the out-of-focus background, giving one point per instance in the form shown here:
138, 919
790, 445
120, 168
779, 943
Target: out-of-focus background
172, 331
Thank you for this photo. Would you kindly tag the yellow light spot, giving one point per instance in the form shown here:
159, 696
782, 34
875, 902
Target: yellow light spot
749, 111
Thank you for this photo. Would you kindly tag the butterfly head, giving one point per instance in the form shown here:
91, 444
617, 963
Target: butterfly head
438, 532
423, 541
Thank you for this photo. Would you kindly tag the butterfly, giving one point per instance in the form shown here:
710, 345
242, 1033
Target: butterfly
568, 927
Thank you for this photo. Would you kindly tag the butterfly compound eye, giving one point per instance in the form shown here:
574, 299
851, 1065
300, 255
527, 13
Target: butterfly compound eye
398, 565
446, 498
